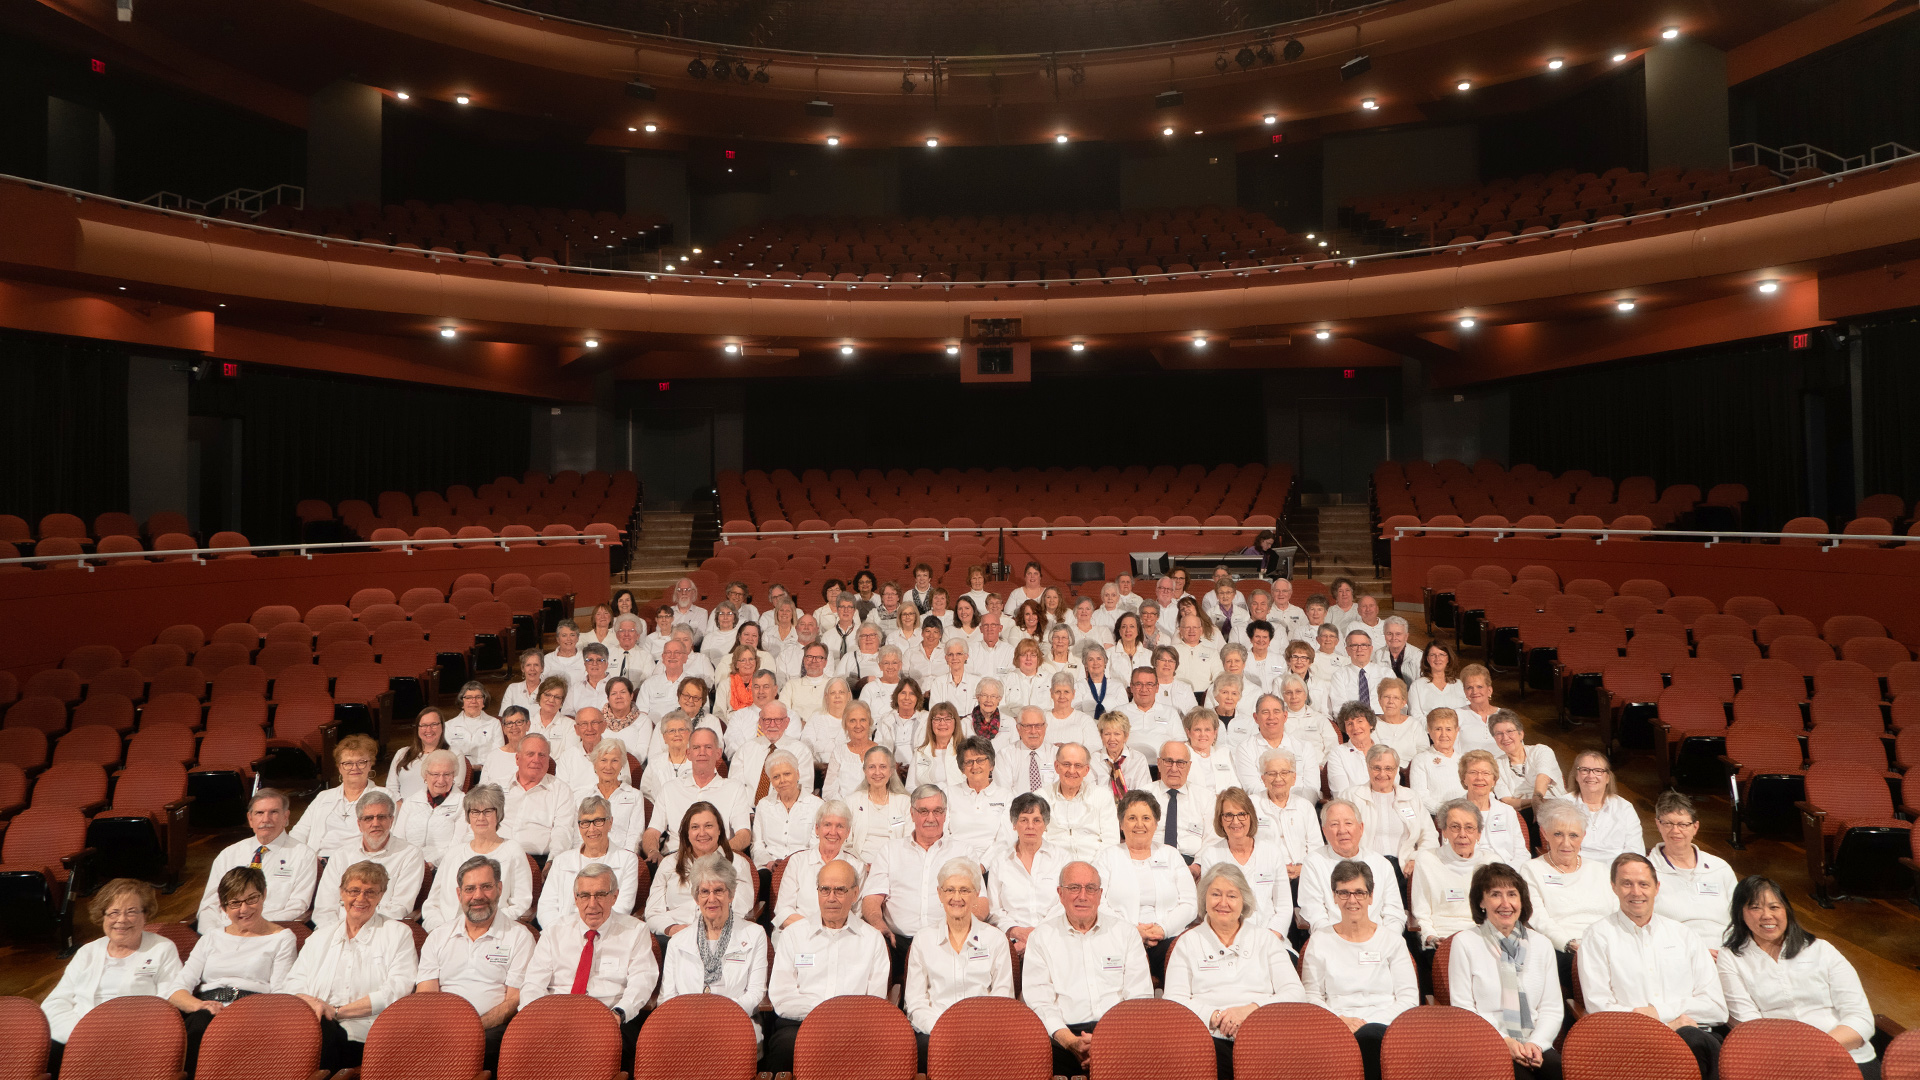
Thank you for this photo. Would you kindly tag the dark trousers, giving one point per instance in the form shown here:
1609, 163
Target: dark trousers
1065, 1061
776, 1054
629, 1033
56, 1049
1157, 960
1369, 1037
337, 1051
920, 1044
1548, 1069
1223, 1058
491, 1037
897, 956
1706, 1050
1564, 959
196, 1024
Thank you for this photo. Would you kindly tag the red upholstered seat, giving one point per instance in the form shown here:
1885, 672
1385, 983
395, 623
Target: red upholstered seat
425, 1037
1474, 1050
1608, 1045
715, 1023
1293, 1039
989, 1036
127, 1038
1782, 1050
562, 1037
24, 1032
1152, 1039
856, 1037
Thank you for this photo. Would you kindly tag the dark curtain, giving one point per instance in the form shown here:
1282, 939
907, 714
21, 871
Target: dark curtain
1729, 415
310, 436
1595, 128
63, 424
1890, 397
1847, 98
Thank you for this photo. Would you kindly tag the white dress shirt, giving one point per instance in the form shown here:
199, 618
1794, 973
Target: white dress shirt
1306, 757
1206, 976
1504, 835
1662, 964
1023, 769
743, 967
1193, 826
428, 827
473, 737
1517, 781
906, 875
1817, 987
780, 830
623, 974
812, 963
1393, 823
1346, 768
406, 867
1134, 770
92, 978
1613, 829
1176, 696
670, 901
443, 899
1148, 729
1473, 982
377, 963
480, 969
1021, 896
749, 766
977, 820
1156, 890
1019, 691
984, 659
517, 693
1423, 697
330, 821
938, 976
404, 779
1441, 882
1373, 979
659, 772
556, 888
733, 799
1342, 685
799, 881
1698, 898
635, 664
1408, 738
574, 768
1316, 904
292, 871
571, 668
1083, 825
583, 694
1199, 664
1565, 905
1266, 871
804, 694
256, 964
1073, 978
960, 695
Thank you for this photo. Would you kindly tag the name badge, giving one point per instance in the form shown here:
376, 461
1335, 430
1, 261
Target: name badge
737, 960
499, 957
1369, 957
281, 869
1708, 888
1158, 862
998, 806
1555, 880
1406, 812
1497, 825
803, 960
1112, 963
1210, 965
1456, 896
978, 954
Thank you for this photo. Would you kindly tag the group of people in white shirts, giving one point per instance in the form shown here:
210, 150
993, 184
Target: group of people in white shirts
1110, 822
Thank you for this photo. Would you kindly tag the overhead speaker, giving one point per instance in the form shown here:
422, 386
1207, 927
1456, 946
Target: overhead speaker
819, 108
1356, 67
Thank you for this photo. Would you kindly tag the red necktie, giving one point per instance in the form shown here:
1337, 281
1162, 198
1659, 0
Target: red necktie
1113, 780
586, 965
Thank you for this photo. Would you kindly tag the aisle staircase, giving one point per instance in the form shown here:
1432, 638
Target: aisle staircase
1340, 539
659, 555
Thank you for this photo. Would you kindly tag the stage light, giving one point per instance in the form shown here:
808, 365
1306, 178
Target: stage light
1556, 64
1369, 104
1626, 305
722, 70
1468, 322
1670, 33
1770, 286
1322, 335
1463, 85
1619, 57
1292, 50
446, 331
1244, 58
1200, 341
697, 68
592, 343
462, 99
633, 129
1079, 346
1060, 139
1166, 131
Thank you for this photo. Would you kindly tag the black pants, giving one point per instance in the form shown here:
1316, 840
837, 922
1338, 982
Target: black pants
1869, 1070
491, 1037
1157, 961
337, 1050
1065, 1061
1564, 959
1706, 1049
1223, 1058
196, 1024
1369, 1037
54, 1051
920, 1043
897, 956
629, 1032
1548, 1069
776, 1055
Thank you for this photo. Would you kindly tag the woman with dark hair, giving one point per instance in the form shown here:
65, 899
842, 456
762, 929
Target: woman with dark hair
1505, 971
1262, 546
429, 734
1439, 683
1147, 882
1772, 968
1358, 970
1345, 609
1129, 650
1029, 622
672, 904
865, 597
966, 616
625, 604
249, 956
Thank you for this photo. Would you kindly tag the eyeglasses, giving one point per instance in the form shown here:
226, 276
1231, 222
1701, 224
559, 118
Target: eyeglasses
835, 891
1080, 890
592, 822
1235, 815
1165, 761
1674, 823
597, 894
1352, 894
1589, 770
368, 893
376, 817
356, 763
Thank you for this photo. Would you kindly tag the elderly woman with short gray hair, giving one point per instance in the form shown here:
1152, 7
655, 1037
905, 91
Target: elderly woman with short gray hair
722, 952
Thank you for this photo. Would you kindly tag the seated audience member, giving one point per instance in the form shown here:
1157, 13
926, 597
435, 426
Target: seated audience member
484, 807
627, 806
1345, 836
598, 951
749, 762
473, 732
430, 819
1347, 765
628, 657
1023, 880
127, 961
1078, 965
1529, 775
1772, 968
1209, 762
976, 806
1442, 881
1476, 682
1150, 721
551, 720
881, 810
935, 757
1358, 679
503, 761
1357, 969
429, 734
1187, 809
969, 959
1081, 819
831, 955
589, 691
1395, 823
594, 822
722, 952
566, 660
1223, 969
673, 902
539, 813
480, 956
1282, 816
827, 726
783, 822
1438, 686
291, 868
1094, 692
743, 721
1395, 727
1434, 773
660, 692
955, 685
1502, 831
1280, 730
1613, 826
573, 765
330, 820
1118, 767
248, 956
900, 896
1224, 695
1570, 891
1026, 684
532, 664
350, 970
1504, 970
672, 762
1261, 863
832, 830
705, 784
1637, 961
1023, 763
1694, 886
1147, 882
1198, 662
406, 866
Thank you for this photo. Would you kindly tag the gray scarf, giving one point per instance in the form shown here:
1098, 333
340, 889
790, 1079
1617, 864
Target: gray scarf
710, 958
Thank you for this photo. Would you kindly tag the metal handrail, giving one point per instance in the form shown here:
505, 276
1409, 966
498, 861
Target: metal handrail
651, 276
946, 531
1601, 535
304, 550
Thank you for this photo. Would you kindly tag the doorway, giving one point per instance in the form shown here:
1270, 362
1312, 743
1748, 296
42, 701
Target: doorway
1341, 440
673, 455
213, 473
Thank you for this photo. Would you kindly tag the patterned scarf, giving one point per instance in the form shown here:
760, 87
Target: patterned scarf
987, 727
1114, 780
710, 959
1510, 950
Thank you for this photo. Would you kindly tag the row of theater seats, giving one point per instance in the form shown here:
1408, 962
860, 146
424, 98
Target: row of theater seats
1428, 492
815, 498
437, 1036
112, 532
483, 230
1536, 203
1826, 718
533, 504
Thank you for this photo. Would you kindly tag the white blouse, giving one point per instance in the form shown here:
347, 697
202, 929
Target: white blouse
92, 978
1517, 781
1440, 885
670, 901
1435, 777
556, 888
1408, 739
427, 827
1157, 889
780, 830
938, 976
1423, 697
403, 775
1817, 987
377, 963
256, 964
443, 899
1473, 982
874, 825
1503, 835
1564, 904
1206, 976
1266, 871
1613, 829
1373, 979
798, 893
1019, 896
846, 774
1346, 768
330, 821
1699, 898
743, 967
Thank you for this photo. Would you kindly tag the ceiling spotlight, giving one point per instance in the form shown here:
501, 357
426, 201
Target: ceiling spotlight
1369, 104
1463, 85
906, 83
1619, 58
1312, 236
1198, 131
833, 140
1556, 64
721, 69
1323, 243
732, 349
633, 129
1166, 131
1265, 53
1626, 305
931, 143
462, 99
650, 128
1079, 346
1200, 341
446, 331
1292, 50
1322, 335
403, 95
1061, 139
696, 251
592, 343
846, 350
1244, 57
760, 74
1469, 322
1670, 33
1770, 286
953, 350
697, 68
1270, 119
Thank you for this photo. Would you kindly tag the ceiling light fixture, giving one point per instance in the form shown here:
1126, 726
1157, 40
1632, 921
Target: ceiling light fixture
1619, 57
446, 331
462, 99
1166, 131
1061, 138
1270, 119
1670, 33
1463, 85
1200, 341
1369, 104
931, 143
1468, 322
1556, 64
1626, 305
953, 350
1322, 335
846, 350
732, 349
403, 95
833, 140
592, 343
633, 129
1079, 346
1770, 286
651, 128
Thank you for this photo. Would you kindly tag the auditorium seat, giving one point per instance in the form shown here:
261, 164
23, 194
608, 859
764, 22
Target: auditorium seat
38, 857
144, 833
562, 1037
1767, 1049
25, 1033
1474, 1050
230, 1049
1848, 827
136, 1037
433, 1036
855, 1037
1621, 1045
1152, 1039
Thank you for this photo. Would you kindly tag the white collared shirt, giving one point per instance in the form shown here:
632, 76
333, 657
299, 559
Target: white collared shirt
428, 827
1193, 824
481, 969
670, 901
1018, 896
1199, 665
1611, 830
1306, 764
1072, 977
733, 799
330, 821
1696, 898
442, 905
541, 818
1473, 981
1624, 966
1342, 685
1317, 907
1565, 905
1149, 729
473, 737
799, 880
378, 963
556, 888
574, 768
635, 664
1435, 778
984, 659
1293, 828
938, 976
1396, 815
1206, 976
780, 830
1266, 871
292, 871
1817, 987
743, 967
1373, 980
255, 964
904, 874
1441, 882
405, 864
812, 963
623, 974
1082, 825
1156, 890
977, 820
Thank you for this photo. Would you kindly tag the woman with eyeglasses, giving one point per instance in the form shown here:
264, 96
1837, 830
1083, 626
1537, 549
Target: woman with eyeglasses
249, 956
1694, 886
595, 822
1357, 970
723, 953
486, 807
331, 819
966, 957
504, 761
1613, 826
128, 960
352, 969
1224, 969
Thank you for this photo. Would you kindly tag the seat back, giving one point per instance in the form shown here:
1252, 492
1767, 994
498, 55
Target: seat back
1606, 1045
856, 1037
24, 1032
989, 1036
1474, 1050
1293, 1039
561, 1037
1902, 1058
712, 1021
1153, 1039
230, 1049
126, 1038
1763, 1049
425, 1037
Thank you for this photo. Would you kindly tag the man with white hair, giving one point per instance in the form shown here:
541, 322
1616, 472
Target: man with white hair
659, 694
992, 657
539, 813
1404, 662
1270, 714
732, 798
574, 763
834, 955
629, 657
686, 610
1023, 760
1356, 680
1367, 617
775, 732
901, 897
1341, 825
1078, 965
1186, 816
958, 683
600, 952
406, 865
1083, 818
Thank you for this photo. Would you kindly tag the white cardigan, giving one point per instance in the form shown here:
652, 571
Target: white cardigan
153, 968
1473, 982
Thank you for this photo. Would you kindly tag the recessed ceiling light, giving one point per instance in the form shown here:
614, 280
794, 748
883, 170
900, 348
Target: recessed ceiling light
1556, 64
1463, 85
833, 140
933, 142
462, 99
651, 128
1322, 334
696, 251
591, 343
446, 331
633, 129
1619, 57
223, 305
1627, 305
732, 349
1670, 33
846, 350
123, 288
953, 350
1199, 133
1369, 104
1166, 131
1323, 243
1079, 346
1469, 322
1310, 236
403, 95
1200, 341
1270, 118
1060, 138
1770, 286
